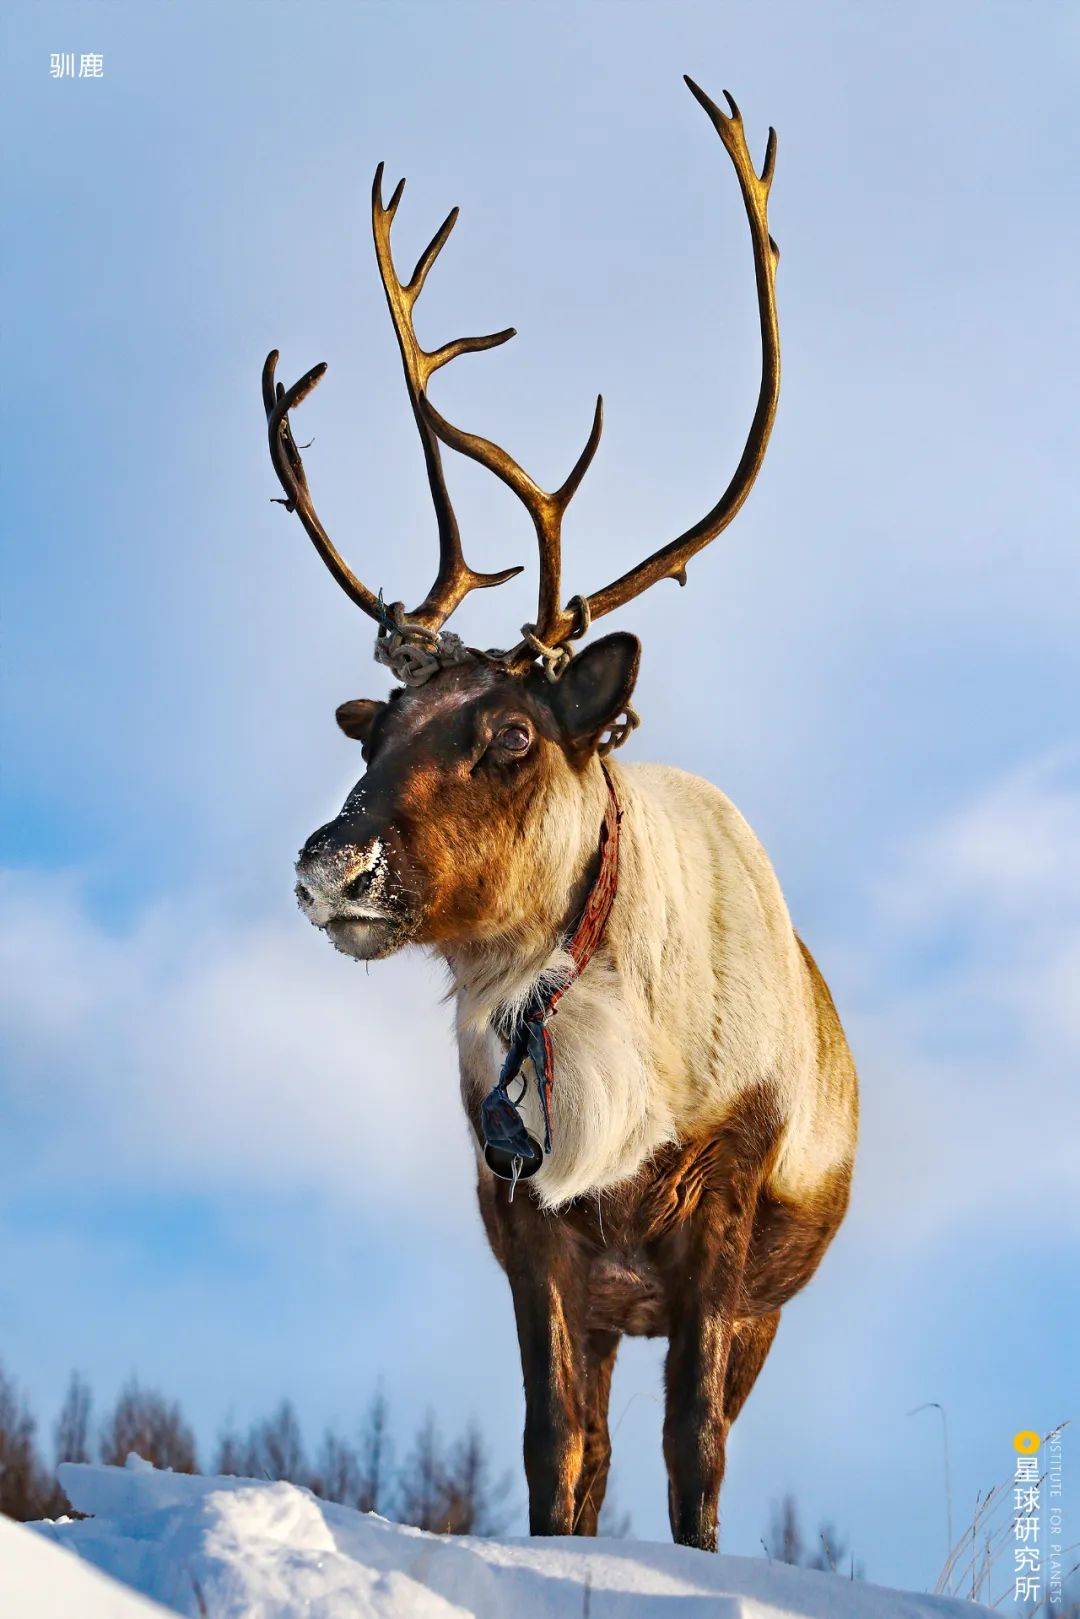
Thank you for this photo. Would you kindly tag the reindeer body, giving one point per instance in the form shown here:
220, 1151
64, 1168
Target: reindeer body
700, 993
704, 1109
706, 1113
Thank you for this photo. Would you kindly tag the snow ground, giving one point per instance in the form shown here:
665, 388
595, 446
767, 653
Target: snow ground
239, 1549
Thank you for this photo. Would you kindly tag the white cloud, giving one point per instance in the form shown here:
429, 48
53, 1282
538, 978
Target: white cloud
1010, 855
184, 1053
966, 1023
188, 1053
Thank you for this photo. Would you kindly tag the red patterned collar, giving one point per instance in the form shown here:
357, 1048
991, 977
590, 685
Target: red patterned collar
511, 1152
601, 896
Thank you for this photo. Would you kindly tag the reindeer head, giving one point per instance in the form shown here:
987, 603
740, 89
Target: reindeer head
479, 766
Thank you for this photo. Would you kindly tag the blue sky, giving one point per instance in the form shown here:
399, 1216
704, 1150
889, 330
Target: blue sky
878, 663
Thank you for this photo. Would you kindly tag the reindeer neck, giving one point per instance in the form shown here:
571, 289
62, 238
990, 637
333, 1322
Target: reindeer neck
562, 854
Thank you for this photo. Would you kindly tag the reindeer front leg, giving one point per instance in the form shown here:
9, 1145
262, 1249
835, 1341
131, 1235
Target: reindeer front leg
547, 1279
600, 1351
704, 1295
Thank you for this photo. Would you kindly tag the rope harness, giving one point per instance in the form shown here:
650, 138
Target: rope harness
510, 1151
413, 653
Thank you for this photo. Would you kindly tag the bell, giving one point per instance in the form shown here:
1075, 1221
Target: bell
510, 1152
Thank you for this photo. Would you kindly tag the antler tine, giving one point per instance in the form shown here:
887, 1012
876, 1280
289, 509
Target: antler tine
546, 510
278, 402
557, 624
455, 578
669, 562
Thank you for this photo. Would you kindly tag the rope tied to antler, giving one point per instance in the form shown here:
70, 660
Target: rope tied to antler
555, 660
619, 729
411, 651
579, 606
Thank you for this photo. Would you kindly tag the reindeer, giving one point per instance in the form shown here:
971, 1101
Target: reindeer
682, 1136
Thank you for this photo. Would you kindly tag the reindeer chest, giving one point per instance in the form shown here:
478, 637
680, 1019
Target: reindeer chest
635, 1236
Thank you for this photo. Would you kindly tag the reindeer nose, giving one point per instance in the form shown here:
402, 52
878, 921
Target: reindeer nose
337, 873
358, 886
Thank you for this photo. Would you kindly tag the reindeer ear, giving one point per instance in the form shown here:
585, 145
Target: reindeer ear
596, 686
356, 717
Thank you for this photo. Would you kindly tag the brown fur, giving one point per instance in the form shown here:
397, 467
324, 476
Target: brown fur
724, 1034
695, 1249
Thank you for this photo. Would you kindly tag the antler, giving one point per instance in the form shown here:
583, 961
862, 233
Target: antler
454, 578
278, 401
670, 561
557, 624
547, 512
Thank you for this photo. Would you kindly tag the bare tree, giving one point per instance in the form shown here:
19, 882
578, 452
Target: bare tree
419, 1492
230, 1455
25, 1492
337, 1471
275, 1448
376, 1455
448, 1492
472, 1504
72, 1432
144, 1422
451, 1494
834, 1556
785, 1544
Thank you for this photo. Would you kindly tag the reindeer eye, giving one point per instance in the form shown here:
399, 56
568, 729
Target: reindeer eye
515, 739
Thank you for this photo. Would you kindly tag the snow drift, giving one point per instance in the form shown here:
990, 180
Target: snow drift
238, 1549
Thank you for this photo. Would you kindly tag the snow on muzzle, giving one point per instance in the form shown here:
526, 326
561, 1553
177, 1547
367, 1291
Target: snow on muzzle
345, 886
